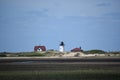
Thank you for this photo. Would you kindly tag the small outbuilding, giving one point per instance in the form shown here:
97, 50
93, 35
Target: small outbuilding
39, 48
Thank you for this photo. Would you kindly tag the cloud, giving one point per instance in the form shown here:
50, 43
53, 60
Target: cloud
103, 4
113, 14
62, 8
84, 8
40, 13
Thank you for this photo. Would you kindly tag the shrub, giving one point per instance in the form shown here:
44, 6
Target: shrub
94, 51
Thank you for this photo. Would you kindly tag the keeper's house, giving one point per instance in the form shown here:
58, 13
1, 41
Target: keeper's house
77, 50
39, 48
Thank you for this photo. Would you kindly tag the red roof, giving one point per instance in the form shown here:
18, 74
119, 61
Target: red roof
76, 50
36, 48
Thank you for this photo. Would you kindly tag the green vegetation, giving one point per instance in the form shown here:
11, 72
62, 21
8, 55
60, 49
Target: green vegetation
3, 55
30, 54
55, 53
115, 52
94, 51
21, 54
64, 75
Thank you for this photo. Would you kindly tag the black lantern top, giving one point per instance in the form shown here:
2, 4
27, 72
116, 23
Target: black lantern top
62, 43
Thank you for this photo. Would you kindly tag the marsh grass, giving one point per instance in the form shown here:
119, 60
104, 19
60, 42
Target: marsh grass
61, 75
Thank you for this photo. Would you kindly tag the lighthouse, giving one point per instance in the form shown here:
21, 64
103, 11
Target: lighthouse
61, 47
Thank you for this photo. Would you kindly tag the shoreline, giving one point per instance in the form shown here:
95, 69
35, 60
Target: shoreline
82, 57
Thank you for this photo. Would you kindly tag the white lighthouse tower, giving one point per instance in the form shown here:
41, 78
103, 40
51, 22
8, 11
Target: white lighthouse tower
61, 47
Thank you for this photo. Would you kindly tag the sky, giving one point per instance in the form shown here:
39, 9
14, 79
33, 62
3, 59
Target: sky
91, 24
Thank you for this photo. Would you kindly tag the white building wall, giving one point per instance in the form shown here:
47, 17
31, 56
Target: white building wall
61, 48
